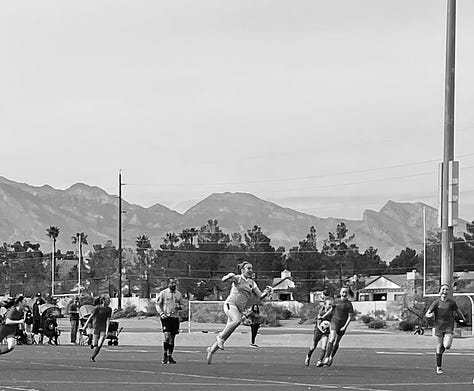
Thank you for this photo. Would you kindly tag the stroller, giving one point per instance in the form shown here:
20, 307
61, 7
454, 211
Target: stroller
85, 311
113, 333
49, 325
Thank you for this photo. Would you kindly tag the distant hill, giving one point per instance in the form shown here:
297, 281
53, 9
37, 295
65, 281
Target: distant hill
26, 212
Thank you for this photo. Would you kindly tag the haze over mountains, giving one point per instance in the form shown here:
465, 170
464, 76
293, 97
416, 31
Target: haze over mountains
27, 211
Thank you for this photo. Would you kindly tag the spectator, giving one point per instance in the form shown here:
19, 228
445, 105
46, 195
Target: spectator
255, 322
37, 317
74, 319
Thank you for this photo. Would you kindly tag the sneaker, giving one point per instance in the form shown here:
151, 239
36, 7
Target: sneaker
319, 363
220, 343
171, 360
165, 360
253, 345
439, 371
92, 359
72, 343
327, 361
209, 355
306, 361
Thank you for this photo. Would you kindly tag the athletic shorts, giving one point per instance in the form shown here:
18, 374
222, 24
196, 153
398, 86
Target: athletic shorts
318, 334
170, 325
442, 333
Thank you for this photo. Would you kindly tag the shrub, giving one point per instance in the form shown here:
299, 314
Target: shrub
130, 311
406, 325
379, 313
376, 324
308, 313
366, 319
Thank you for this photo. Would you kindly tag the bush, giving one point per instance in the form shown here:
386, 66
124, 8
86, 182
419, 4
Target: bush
376, 324
406, 325
150, 310
130, 311
379, 314
308, 313
366, 319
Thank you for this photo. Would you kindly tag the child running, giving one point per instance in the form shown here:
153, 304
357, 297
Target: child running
101, 317
443, 310
321, 332
241, 291
14, 317
341, 317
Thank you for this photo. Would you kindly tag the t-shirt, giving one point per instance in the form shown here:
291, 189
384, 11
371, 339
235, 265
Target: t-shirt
241, 291
340, 312
170, 302
12, 314
100, 316
444, 314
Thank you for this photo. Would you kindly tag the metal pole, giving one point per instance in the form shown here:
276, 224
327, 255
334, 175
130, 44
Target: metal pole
447, 262
79, 237
52, 269
120, 242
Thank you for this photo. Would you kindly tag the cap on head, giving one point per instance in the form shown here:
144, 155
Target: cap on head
38, 294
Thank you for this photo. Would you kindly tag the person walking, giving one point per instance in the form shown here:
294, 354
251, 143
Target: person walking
14, 317
255, 321
74, 319
443, 310
168, 305
243, 288
101, 319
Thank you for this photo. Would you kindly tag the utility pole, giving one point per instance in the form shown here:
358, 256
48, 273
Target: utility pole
447, 197
120, 242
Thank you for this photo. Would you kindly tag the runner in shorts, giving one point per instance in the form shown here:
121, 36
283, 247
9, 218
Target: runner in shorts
443, 310
321, 332
168, 304
341, 317
242, 290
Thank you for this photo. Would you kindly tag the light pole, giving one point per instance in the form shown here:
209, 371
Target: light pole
448, 203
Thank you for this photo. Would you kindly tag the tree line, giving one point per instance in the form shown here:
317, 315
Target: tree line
200, 256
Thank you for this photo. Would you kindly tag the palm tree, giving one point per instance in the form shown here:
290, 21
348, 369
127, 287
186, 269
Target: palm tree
53, 233
79, 239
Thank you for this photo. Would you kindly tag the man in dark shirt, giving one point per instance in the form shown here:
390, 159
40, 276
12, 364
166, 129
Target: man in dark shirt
74, 319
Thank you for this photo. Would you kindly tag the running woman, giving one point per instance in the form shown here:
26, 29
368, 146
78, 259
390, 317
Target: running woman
101, 317
443, 310
14, 317
242, 290
321, 333
169, 304
341, 317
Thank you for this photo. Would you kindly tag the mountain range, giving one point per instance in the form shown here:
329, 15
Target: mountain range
27, 211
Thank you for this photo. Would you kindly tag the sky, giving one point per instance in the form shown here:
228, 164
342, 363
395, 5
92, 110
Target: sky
326, 107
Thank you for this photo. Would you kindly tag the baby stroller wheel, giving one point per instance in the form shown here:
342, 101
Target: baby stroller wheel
115, 343
109, 342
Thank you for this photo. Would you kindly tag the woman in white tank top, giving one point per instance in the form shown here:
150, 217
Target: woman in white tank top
242, 290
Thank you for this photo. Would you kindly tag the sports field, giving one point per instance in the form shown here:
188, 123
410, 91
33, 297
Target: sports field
366, 361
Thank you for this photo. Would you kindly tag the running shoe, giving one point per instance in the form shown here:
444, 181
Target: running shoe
165, 359
327, 361
319, 363
92, 359
209, 355
306, 361
439, 371
220, 343
253, 345
171, 360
